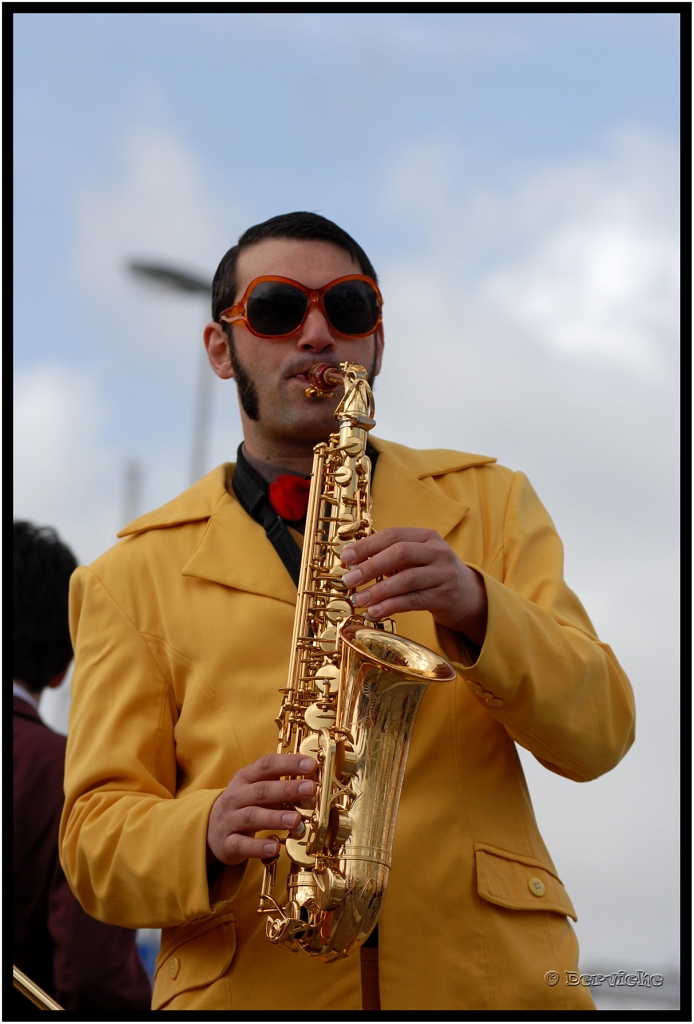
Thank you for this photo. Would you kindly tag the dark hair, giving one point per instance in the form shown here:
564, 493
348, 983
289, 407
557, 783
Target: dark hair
41, 646
307, 227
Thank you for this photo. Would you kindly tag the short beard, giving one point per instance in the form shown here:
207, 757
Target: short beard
248, 396
371, 374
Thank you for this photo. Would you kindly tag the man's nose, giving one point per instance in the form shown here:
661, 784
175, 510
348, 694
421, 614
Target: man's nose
315, 335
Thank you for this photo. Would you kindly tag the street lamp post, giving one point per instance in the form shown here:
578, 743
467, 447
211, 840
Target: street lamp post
177, 279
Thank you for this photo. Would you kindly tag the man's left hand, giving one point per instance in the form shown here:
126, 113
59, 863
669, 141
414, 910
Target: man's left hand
423, 574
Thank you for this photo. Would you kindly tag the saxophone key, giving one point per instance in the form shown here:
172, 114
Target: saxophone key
348, 527
338, 545
301, 890
346, 760
330, 888
284, 929
339, 829
300, 830
318, 717
327, 678
338, 610
310, 746
334, 576
353, 446
343, 476
328, 639
307, 812
296, 851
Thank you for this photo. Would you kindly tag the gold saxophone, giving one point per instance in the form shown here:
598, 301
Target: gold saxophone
350, 702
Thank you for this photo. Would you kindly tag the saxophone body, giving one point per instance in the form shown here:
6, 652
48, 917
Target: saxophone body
351, 699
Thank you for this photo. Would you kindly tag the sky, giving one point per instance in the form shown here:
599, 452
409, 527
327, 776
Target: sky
514, 179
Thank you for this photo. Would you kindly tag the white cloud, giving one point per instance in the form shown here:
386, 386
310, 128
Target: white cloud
530, 317
601, 280
62, 463
55, 409
159, 206
581, 257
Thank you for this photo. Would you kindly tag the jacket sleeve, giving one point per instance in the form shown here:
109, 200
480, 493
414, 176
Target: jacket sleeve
96, 967
133, 850
542, 671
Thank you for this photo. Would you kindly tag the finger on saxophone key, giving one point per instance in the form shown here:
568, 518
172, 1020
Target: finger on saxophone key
348, 555
353, 578
374, 612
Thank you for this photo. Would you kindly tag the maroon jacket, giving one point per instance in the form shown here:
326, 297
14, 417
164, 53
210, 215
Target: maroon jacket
89, 967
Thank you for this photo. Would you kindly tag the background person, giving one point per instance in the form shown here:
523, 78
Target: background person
87, 966
182, 635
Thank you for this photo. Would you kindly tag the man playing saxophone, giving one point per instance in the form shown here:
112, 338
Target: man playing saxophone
182, 636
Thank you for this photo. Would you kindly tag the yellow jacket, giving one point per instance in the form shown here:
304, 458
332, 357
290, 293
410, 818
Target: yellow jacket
181, 635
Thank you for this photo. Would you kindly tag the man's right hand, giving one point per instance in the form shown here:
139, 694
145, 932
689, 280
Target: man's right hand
253, 802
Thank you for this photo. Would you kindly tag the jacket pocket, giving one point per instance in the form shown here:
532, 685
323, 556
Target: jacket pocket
193, 957
518, 882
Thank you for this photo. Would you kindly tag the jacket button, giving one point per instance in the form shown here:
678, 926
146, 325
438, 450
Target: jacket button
536, 886
494, 702
174, 966
484, 694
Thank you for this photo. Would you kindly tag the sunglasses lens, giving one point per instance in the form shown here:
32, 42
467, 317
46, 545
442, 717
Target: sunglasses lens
352, 307
275, 308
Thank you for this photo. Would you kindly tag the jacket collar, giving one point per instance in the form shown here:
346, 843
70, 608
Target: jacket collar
24, 709
233, 549
198, 502
235, 552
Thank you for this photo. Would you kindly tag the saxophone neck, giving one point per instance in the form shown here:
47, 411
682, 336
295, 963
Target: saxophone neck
355, 411
356, 407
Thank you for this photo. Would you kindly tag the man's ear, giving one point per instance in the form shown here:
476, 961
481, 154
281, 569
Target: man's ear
57, 679
217, 345
379, 341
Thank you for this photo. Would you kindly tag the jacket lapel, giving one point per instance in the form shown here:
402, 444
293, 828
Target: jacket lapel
401, 498
235, 552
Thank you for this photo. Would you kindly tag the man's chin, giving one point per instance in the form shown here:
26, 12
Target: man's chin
292, 415
313, 430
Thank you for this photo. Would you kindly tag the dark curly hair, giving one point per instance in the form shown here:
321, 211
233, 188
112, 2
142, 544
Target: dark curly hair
41, 646
307, 227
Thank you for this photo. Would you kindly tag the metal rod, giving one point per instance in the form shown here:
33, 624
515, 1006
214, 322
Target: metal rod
132, 490
181, 280
202, 417
32, 991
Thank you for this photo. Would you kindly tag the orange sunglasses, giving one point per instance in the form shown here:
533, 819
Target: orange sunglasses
277, 307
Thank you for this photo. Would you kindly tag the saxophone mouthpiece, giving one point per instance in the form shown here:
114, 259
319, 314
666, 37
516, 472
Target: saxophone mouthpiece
322, 377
